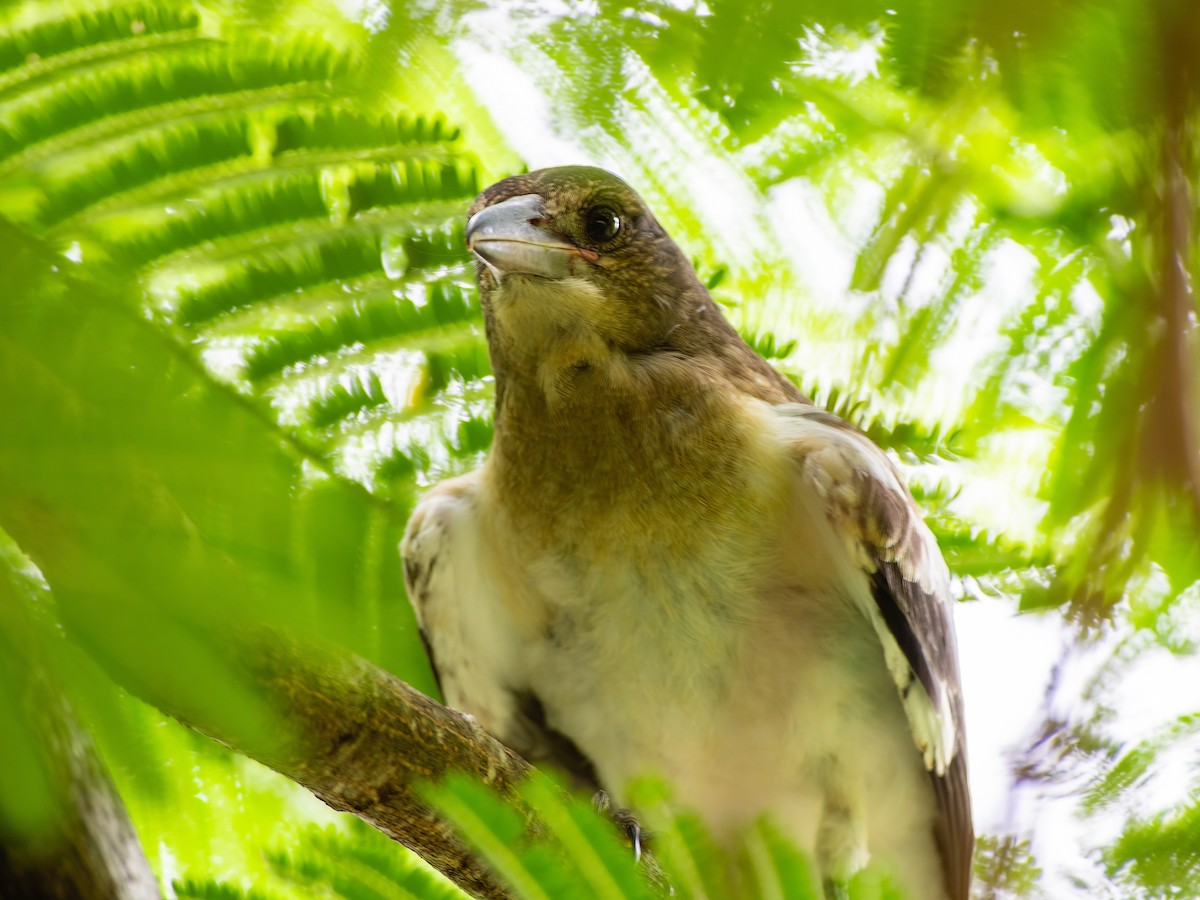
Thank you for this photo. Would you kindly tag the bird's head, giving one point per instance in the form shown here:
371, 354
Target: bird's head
572, 258
584, 294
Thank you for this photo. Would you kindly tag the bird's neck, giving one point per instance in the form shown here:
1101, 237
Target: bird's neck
584, 426
591, 406
649, 431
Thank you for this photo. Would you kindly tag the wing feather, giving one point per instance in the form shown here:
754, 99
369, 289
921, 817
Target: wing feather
909, 606
472, 643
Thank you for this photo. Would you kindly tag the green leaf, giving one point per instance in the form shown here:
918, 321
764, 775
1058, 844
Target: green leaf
497, 832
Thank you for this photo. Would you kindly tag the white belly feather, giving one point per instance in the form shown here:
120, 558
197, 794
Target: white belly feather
750, 695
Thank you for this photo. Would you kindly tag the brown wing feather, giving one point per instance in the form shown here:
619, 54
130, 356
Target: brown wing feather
868, 501
912, 595
923, 630
953, 829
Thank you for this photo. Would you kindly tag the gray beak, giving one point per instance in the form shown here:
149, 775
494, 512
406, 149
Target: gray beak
506, 238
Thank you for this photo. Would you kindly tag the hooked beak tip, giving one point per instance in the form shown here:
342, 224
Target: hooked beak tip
510, 238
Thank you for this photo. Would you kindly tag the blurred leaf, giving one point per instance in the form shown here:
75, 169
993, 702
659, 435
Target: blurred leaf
1005, 867
33, 795
357, 862
239, 330
777, 870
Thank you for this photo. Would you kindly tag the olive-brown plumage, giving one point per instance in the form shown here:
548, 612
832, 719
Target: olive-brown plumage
672, 563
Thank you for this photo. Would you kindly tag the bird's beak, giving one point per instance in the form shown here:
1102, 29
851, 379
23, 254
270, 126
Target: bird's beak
510, 238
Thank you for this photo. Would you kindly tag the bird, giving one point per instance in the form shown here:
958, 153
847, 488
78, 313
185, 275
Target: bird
672, 563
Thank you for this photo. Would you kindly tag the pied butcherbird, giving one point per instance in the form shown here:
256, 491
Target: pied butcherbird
672, 563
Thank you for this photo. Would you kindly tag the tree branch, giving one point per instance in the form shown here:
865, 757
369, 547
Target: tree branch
1174, 439
76, 841
364, 741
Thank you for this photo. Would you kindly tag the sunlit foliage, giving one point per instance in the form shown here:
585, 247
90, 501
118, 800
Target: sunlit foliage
239, 333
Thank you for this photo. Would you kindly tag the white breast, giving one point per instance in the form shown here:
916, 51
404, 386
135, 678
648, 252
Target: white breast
740, 666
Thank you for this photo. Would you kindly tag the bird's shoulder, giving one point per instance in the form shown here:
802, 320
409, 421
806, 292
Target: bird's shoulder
863, 492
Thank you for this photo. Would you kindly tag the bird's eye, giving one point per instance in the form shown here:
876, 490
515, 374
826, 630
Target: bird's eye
602, 224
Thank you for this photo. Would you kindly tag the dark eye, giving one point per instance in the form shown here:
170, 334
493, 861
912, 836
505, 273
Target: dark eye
601, 224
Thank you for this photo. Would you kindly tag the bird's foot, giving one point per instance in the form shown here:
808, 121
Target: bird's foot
625, 822
836, 889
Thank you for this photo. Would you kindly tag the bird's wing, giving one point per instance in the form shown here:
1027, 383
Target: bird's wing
456, 582
909, 605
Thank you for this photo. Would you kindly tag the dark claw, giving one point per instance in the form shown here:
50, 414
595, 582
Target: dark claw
628, 824
624, 820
